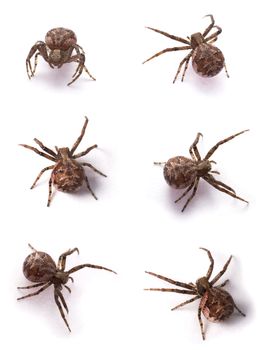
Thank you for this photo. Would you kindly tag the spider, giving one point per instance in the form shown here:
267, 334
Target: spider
181, 172
67, 174
57, 50
207, 60
216, 304
40, 268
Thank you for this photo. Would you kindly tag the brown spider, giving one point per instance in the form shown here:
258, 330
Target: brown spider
57, 50
67, 174
181, 172
207, 60
216, 304
39, 267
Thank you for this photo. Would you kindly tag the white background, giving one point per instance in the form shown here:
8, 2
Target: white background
136, 116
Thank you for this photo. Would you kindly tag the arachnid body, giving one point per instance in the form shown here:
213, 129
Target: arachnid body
215, 303
67, 174
57, 50
207, 60
181, 172
40, 268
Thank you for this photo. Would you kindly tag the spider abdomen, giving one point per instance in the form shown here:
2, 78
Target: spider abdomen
60, 38
217, 304
207, 60
39, 267
68, 176
180, 172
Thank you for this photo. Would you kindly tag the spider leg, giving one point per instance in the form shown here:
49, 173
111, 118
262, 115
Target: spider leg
223, 284
211, 267
78, 71
193, 150
240, 312
29, 69
184, 193
32, 286
93, 168
201, 322
212, 41
171, 290
219, 183
60, 295
214, 35
31, 247
40, 174
211, 25
50, 192
214, 148
56, 296
39, 46
221, 273
87, 71
89, 188
62, 258
35, 63
226, 71
39, 152
184, 41
167, 50
186, 59
166, 279
79, 139
45, 149
81, 154
79, 267
67, 288
80, 58
196, 182
78, 48
159, 163
215, 172
28, 64
37, 292
224, 189
186, 302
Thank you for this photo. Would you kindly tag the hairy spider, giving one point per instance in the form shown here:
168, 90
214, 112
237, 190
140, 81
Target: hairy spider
207, 60
216, 304
40, 268
181, 172
57, 50
67, 174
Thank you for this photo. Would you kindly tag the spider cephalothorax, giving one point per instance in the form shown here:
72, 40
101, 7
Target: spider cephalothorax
67, 174
40, 268
207, 60
57, 50
181, 172
216, 304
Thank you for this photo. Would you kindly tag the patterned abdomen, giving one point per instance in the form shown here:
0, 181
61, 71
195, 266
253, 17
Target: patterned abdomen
68, 176
207, 60
217, 304
60, 38
179, 172
39, 267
